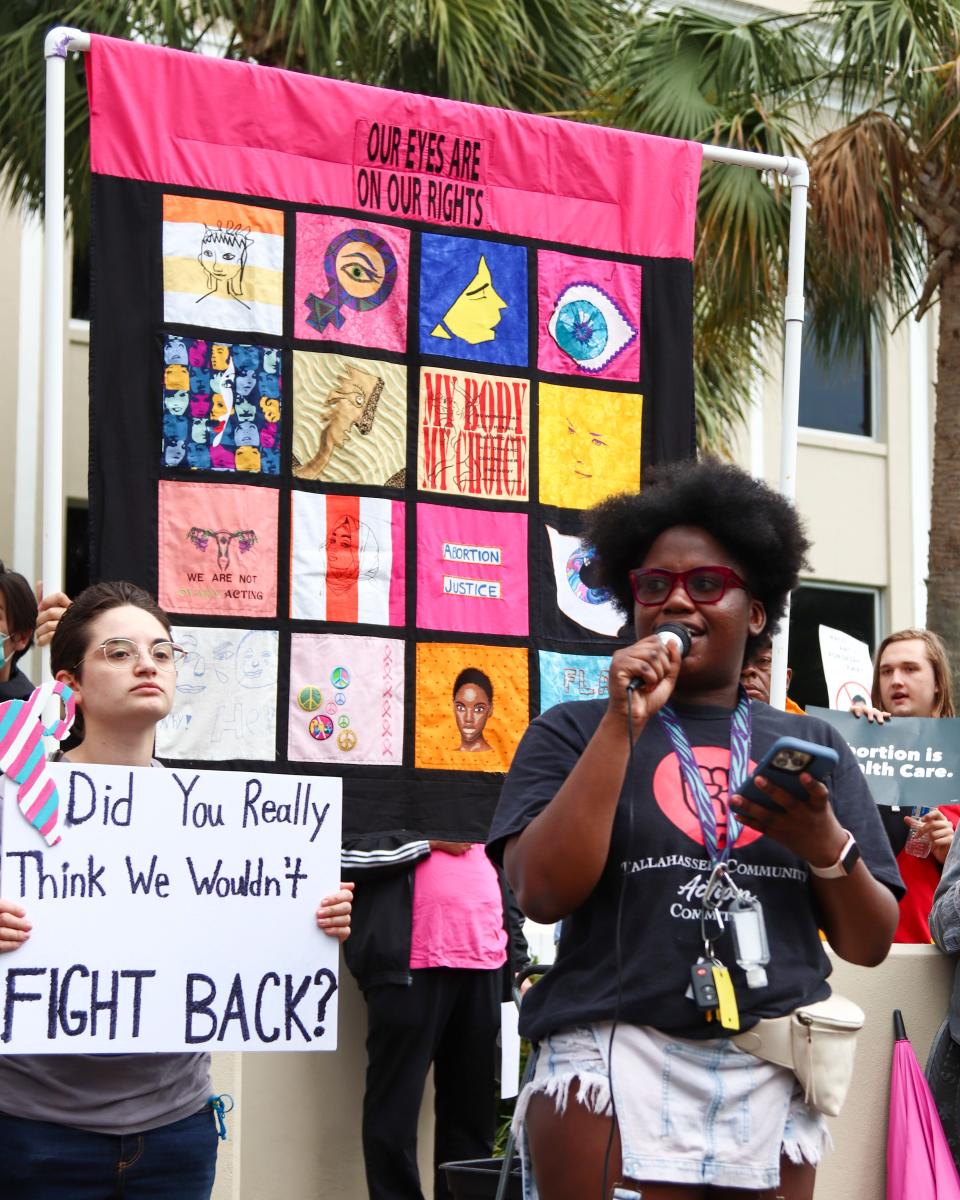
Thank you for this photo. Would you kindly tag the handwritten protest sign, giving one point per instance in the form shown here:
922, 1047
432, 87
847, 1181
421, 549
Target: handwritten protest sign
177, 913
907, 761
846, 667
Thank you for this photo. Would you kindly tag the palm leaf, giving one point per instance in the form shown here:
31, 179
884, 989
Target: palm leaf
859, 175
23, 26
745, 84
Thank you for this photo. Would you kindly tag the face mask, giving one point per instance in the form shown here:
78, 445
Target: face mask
3, 650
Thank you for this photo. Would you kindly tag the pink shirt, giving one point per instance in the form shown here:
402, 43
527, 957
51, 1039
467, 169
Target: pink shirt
457, 913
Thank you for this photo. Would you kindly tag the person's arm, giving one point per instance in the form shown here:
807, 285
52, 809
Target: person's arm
556, 862
859, 914
454, 848
333, 914
519, 950
938, 828
871, 713
14, 926
373, 855
945, 914
50, 609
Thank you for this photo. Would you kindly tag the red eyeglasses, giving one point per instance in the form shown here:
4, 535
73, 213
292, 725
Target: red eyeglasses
704, 585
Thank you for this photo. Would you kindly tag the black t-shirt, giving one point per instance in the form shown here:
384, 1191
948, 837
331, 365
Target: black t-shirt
665, 870
17, 687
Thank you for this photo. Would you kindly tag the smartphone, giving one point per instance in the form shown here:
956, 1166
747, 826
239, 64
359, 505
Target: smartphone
784, 763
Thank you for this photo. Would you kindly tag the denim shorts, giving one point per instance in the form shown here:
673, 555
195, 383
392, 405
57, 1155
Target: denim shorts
693, 1112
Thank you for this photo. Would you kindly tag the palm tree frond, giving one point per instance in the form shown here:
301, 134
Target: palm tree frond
859, 175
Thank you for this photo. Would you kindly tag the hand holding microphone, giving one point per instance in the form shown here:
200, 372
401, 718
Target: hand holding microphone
667, 635
643, 675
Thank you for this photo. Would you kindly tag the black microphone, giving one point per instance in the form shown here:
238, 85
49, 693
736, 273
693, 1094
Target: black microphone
668, 634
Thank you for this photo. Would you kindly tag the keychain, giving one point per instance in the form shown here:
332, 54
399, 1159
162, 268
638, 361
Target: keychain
703, 990
727, 1012
711, 987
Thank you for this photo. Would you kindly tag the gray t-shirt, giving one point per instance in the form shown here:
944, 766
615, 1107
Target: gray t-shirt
105, 1093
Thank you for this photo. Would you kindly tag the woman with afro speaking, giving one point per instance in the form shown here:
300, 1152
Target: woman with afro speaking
615, 815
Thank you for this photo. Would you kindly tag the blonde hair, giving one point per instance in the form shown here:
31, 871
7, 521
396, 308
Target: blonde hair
939, 660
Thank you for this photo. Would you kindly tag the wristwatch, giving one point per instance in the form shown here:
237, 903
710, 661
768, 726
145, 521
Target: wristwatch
849, 857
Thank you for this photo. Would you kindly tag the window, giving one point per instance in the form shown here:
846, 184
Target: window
76, 562
80, 284
80, 268
855, 610
837, 392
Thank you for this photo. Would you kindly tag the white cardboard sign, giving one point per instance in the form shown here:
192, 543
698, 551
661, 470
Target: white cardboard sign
177, 913
847, 668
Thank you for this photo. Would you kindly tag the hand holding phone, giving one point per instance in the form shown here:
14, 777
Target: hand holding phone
783, 764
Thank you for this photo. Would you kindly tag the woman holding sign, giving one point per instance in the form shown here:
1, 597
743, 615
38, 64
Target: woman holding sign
911, 678
625, 818
88, 1127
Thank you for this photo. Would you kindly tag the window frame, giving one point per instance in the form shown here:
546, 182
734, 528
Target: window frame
874, 377
829, 585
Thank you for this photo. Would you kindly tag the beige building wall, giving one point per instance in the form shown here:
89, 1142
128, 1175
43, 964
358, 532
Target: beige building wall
856, 494
295, 1132
9, 323
75, 401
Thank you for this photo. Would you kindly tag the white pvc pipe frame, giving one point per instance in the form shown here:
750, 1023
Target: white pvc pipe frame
60, 41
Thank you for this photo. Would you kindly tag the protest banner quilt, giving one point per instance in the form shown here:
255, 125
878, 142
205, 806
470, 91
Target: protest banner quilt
359, 361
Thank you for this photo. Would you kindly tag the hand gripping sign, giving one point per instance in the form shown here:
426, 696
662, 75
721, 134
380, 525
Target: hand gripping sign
22, 758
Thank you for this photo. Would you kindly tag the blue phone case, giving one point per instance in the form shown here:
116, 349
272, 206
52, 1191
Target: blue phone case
783, 764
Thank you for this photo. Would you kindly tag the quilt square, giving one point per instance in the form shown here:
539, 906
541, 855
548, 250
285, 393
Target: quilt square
589, 445
352, 278
222, 264
590, 608
221, 406
472, 570
218, 549
349, 420
348, 559
472, 706
474, 433
589, 316
473, 299
346, 699
566, 677
225, 706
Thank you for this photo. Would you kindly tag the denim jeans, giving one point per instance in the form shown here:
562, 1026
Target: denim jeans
43, 1161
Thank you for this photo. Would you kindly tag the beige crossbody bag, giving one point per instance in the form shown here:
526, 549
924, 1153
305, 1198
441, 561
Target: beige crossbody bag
817, 1042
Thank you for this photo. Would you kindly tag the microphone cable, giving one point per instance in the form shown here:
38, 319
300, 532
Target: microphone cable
628, 789
681, 634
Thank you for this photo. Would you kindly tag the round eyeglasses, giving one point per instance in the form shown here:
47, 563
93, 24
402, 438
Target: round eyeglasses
123, 652
704, 585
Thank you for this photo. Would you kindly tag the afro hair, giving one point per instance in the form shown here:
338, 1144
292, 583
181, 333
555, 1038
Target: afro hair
759, 527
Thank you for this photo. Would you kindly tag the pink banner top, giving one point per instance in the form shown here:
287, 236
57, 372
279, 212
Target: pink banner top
169, 117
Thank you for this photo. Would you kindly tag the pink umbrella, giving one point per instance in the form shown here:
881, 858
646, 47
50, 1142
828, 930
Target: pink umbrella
919, 1163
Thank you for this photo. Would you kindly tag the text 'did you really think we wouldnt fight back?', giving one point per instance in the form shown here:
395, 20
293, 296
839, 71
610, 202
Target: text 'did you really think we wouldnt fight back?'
176, 913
